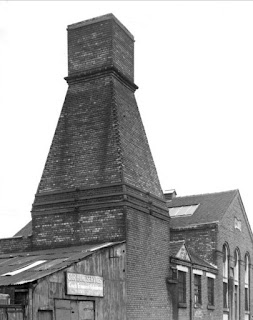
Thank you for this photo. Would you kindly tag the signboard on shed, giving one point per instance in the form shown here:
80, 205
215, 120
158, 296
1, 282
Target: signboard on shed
84, 285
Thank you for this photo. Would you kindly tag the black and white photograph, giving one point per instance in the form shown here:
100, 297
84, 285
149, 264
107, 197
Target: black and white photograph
126, 160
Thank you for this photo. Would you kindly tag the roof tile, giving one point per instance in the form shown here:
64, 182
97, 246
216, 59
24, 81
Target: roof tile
212, 207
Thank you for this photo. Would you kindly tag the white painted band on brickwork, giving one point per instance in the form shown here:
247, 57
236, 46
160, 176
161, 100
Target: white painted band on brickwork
211, 275
197, 271
182, 268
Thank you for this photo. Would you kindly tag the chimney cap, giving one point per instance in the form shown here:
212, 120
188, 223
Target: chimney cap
105, 17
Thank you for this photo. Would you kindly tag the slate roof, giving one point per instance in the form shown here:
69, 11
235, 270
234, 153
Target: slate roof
212, 207
175, 246
198, 261
56, 259
25, 231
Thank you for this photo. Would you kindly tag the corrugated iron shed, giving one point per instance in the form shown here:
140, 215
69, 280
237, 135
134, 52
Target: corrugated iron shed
20, 268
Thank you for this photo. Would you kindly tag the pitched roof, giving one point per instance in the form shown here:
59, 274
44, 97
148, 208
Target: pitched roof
198, 261
176, 247
212, 207
38, 264
25, 231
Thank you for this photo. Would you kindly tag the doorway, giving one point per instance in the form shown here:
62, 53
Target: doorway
74, 310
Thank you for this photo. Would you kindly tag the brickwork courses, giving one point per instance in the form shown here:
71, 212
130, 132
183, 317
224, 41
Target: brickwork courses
207, 240
100, 183
236, 239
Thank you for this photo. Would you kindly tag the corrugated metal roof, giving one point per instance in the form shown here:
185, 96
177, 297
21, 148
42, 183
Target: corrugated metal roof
55, 260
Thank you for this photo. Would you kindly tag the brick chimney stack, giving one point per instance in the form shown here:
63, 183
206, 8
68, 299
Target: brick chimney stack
99, 164
100, 183
100, 44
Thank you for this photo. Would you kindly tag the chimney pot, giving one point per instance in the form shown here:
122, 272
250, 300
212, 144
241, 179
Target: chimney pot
170, 194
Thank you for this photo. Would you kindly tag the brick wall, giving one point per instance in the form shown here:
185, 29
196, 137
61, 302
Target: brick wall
208, 241
241, 240
99, 142
147, 267
15, 244
73, 228
98, 44
84, 151
139, 169
200, 239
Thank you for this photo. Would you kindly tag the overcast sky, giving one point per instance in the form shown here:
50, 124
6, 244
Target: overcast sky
194, 69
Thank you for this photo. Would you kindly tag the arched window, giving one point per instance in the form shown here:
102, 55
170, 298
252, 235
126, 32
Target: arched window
225, 276
246, 285
236, 284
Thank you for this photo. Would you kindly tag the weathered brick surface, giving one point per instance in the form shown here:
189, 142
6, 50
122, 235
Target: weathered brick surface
139, 168
84, 151
200, 239
73, 228
100, 183
15, 244
241, 240
102, 44
99, 144
99, 138
207, 242
147, 267
123, 51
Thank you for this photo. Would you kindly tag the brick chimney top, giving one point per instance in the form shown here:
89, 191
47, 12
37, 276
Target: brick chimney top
98, 45
105, 17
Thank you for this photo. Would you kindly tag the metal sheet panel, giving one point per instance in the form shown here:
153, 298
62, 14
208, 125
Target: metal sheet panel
57, 259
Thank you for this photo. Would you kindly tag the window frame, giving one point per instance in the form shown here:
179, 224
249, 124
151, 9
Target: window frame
210, 291
197, 290
225, 254
247, 283
181, 287
236, 298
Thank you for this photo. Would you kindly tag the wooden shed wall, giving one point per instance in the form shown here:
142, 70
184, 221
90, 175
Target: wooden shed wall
108, 263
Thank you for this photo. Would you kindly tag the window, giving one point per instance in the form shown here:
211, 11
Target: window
210, 291
225, 276
236, 284
197, 289
181, 287
238, 224
183, 211
246, 283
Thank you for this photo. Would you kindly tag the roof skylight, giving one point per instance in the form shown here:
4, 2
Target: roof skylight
183, 211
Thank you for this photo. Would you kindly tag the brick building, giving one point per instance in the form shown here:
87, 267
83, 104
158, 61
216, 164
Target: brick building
215, 229
99, 197
101, 244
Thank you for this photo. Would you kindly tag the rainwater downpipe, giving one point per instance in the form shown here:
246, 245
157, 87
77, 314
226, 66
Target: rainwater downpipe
191, 301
